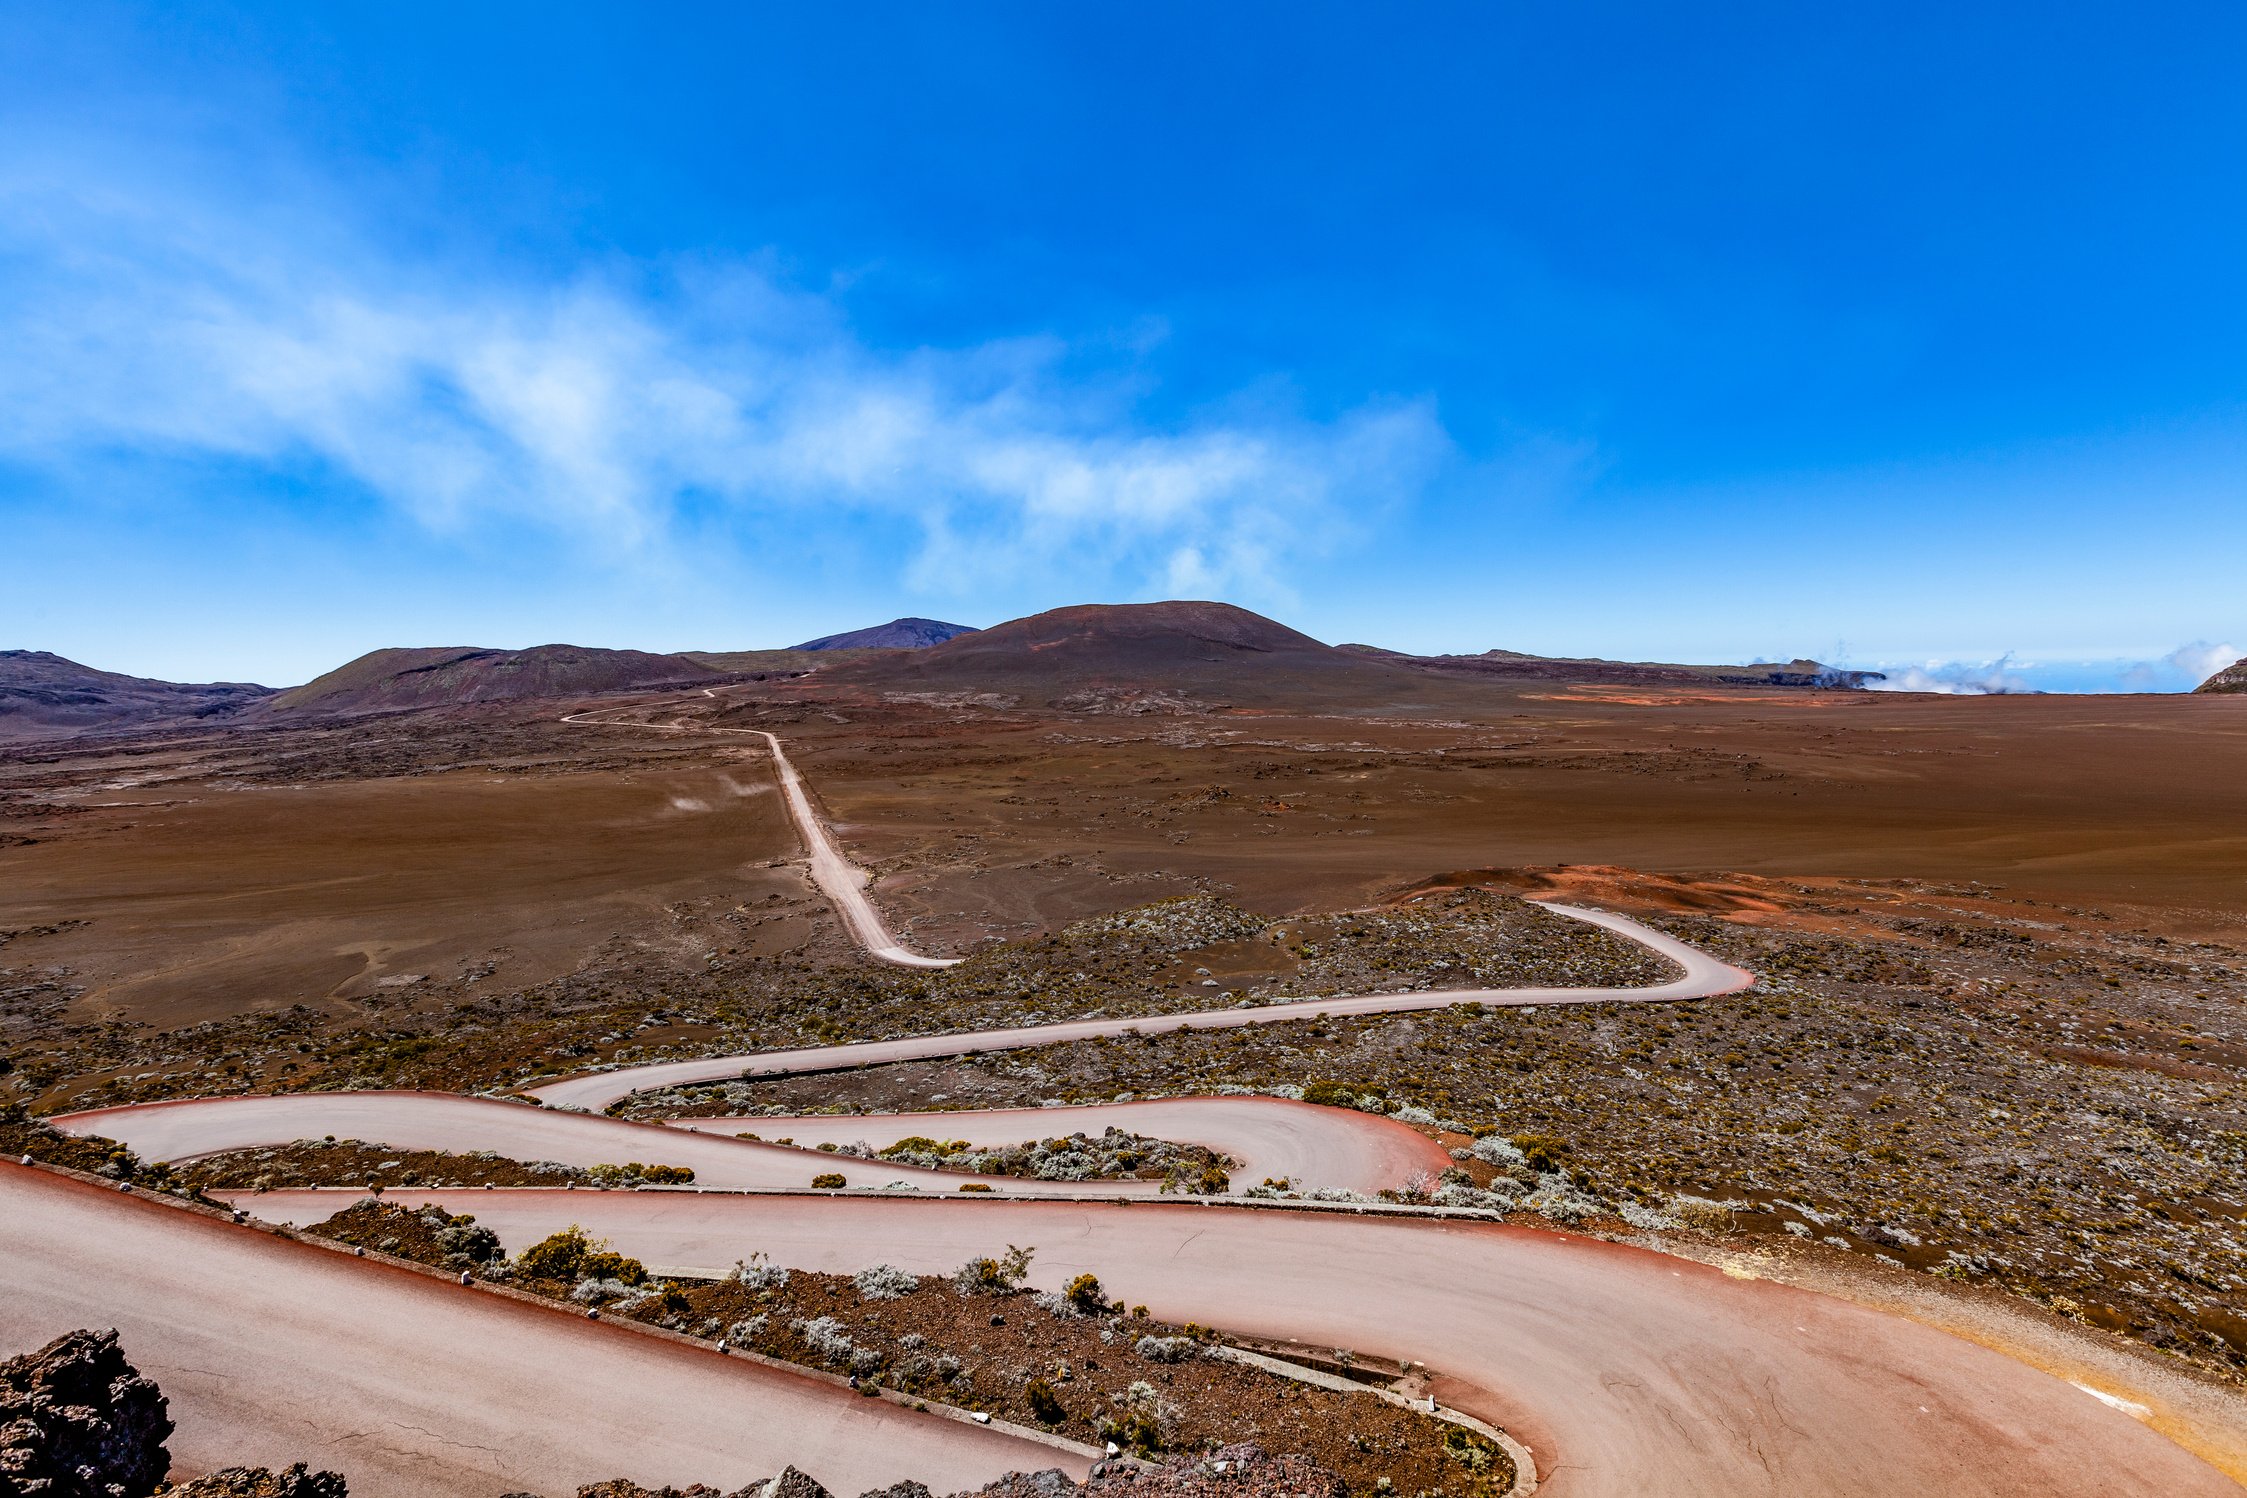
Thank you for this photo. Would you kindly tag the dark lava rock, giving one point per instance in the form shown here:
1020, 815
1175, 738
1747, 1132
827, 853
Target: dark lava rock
78, 1421
906, 1489
1241, 1471
261, 1482
789, 1484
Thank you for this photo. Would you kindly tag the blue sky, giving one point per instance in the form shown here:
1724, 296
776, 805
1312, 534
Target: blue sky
1908, 337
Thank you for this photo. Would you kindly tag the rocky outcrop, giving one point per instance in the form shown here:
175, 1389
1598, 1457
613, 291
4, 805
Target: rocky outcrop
906, 1489
1242, 1471
78, 1421
2233, 678
260, 1482
789, 1484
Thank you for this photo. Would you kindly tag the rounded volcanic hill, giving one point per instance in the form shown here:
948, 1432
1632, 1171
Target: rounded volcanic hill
448, 675
898, 634
1179, 656
2232, 679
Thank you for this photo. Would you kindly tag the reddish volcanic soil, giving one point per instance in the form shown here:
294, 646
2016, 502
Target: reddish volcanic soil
225, 872
999, 821
198, 899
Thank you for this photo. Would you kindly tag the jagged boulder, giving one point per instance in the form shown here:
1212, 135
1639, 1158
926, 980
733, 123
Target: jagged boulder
78, 1421
262, 1482
790, 1484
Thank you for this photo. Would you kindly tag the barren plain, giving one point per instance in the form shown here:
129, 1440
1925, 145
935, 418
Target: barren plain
1993, 1075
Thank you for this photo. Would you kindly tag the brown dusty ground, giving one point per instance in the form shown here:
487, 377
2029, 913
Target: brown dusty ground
222, 872
1002, 822
185, 885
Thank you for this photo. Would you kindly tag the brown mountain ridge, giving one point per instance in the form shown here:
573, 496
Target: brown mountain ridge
447, 675
46, 696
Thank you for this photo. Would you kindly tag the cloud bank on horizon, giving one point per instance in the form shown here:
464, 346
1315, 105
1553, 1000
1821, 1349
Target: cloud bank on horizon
2180, 670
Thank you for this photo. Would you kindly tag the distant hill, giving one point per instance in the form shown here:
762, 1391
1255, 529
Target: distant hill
46, 696
898, 634
2233, 678
1512, 665
1134, 658
765, 662
446, 675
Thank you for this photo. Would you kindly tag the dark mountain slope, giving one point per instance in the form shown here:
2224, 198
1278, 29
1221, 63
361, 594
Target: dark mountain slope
46, 696
898, 634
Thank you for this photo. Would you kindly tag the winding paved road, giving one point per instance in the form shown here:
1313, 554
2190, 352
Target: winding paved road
1701, 976
1628, 1372
1312, 1146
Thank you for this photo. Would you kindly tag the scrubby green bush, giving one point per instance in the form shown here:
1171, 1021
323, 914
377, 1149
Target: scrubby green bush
1000, 1276
1043, 1402
636, 1174
571, 1255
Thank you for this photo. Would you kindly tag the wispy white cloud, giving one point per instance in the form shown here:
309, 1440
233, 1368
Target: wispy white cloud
2185, 666
1956, 678
143, 321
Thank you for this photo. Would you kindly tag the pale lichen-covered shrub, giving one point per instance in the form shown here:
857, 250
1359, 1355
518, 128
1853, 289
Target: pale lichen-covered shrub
1648, 1219
746, 1331
1493, 1150
1456, 1195
758, 1273
1166, 1349
885, 1282
1559, 1199
826, 1336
